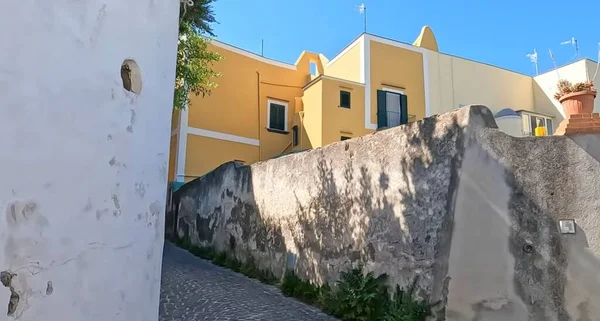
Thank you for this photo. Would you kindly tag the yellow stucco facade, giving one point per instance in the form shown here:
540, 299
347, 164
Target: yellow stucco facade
263, 108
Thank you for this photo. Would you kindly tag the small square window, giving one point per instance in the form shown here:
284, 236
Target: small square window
344, 99
343, 138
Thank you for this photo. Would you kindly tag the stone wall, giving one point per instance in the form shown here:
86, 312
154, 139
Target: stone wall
468, 209
83, 163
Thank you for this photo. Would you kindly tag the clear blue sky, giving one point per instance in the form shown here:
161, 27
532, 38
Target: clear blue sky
500, 33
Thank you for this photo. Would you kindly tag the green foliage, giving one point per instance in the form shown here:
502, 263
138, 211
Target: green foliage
250, 270
303, 290
206, 253
403, 307
194, 72
199, 16
360, 296
355, 297
220, 259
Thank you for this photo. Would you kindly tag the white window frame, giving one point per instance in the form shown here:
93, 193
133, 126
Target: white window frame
278, 102
397, 91
527, 121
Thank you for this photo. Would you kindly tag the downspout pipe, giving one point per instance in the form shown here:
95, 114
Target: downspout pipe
258, 111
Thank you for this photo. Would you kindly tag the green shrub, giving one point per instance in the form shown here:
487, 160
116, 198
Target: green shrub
232, 263
356, 296
206, 253
303, 290
359, 296
403, 306
220, 258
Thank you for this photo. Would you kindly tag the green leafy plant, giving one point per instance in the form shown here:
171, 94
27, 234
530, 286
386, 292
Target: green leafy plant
220, 259
303, 290
359, 296
194, 71
403, 306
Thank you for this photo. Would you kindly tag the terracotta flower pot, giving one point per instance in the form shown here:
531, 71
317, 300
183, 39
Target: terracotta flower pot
581, 102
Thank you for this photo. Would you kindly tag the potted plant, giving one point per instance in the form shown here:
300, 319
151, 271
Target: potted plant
576, 98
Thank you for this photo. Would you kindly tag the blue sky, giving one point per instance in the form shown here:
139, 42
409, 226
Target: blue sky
500, 33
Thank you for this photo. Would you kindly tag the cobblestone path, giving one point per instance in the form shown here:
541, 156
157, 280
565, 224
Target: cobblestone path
194, 289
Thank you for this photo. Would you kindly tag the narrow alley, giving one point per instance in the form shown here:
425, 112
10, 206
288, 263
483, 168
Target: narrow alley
193, 289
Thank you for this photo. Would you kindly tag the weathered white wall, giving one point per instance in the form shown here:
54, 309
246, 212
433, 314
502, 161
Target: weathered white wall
83, 163
456, 81
591, 67
544, 87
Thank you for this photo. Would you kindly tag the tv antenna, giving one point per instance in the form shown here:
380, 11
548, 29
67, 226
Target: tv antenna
362, 9
534, 59
572, 42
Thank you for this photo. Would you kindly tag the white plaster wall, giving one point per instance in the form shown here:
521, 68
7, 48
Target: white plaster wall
545, 87
480, 263
456, 81
83, 162
591, 70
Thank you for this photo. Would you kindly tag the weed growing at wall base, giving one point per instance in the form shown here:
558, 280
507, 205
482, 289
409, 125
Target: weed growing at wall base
357, 296
222, 259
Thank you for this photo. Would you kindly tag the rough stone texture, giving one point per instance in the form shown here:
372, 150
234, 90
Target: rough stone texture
193, 289
468, 209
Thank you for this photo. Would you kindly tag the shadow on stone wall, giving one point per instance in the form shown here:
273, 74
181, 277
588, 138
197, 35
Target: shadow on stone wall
361, 217
387, 201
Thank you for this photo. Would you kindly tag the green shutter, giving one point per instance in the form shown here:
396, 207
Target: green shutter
277, 117
381, 109
272, 116
403, 109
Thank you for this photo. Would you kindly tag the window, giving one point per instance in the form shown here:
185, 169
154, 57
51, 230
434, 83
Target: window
277, 116
392, 109
344, 99
343, 138
295, 135
313, 68
531, 122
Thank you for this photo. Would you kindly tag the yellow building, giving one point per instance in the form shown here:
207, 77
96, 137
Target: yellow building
264, 108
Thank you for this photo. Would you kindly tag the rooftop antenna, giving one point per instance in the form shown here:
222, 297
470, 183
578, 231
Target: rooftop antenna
554, 62
597, 64
262, 47
534, 59
572, 42
363, 10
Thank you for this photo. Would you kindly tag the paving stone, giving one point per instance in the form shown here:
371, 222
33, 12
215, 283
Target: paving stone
194, 289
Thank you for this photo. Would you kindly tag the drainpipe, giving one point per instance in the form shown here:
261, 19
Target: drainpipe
301, 132
258, 110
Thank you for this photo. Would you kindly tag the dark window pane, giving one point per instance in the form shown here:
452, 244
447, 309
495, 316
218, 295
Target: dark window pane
345, 138
344, 99
277, 117
549, 128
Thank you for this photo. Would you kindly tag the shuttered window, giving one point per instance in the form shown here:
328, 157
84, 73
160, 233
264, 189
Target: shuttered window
392, 109
277, 116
